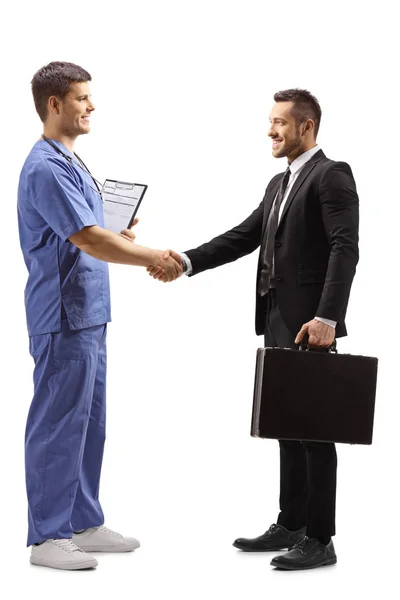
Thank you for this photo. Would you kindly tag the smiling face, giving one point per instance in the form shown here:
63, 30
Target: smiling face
289, 137
72, 113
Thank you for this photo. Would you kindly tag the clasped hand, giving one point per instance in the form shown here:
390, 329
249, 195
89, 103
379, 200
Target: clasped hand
166, 265
160, 272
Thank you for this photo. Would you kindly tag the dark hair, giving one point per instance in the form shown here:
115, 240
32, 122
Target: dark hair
306, 106
54, 80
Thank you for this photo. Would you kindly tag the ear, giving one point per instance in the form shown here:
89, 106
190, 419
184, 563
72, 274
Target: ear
54, 105
308, 126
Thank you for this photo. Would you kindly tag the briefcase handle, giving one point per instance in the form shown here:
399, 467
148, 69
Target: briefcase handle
304, 346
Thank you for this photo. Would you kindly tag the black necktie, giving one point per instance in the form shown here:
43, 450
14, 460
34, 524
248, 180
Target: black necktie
269, 238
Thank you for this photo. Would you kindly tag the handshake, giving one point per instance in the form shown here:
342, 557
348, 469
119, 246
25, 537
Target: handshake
167, 266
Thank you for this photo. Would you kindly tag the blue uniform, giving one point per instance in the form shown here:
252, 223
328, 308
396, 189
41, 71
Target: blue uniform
67, 299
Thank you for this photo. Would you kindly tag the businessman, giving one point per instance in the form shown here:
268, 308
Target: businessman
307, 229
67, 297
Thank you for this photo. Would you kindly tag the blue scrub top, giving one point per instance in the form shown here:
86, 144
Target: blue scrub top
55, 200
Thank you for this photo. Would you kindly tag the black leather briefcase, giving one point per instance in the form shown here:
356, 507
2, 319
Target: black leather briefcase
314, 396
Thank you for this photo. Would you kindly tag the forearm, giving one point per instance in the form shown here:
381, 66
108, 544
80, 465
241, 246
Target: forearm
210, 255
334, 300
339, 277
230, 246
111, 247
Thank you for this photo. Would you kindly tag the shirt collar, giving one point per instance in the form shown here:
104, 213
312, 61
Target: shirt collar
301, 160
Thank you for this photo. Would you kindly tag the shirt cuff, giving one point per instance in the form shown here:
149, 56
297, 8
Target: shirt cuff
326, 321
187, 264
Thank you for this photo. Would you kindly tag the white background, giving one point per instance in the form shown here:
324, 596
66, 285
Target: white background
183, 91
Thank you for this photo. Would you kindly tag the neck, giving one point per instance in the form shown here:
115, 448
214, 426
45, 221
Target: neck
58, 136
298, 152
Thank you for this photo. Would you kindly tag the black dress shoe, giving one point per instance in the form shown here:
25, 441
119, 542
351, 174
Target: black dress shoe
307, 554
276, 538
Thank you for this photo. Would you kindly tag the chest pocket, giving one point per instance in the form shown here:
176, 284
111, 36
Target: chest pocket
88, 292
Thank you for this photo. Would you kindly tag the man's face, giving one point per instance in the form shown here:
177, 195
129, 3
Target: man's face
75, 110
285, 132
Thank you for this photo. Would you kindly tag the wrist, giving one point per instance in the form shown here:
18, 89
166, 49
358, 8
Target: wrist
184, 264
154, 257
326, 321
146, 256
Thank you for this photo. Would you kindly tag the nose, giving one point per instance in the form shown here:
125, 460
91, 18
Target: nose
271, 131
91, 106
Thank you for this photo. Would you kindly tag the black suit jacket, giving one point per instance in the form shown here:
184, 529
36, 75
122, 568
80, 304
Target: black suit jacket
316, 245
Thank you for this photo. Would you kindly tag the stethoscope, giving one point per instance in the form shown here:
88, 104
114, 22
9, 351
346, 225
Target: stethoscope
80, 163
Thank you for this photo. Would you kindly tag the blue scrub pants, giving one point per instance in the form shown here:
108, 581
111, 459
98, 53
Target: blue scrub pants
65, 432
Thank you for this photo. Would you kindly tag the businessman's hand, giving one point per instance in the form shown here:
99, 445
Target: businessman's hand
128, 233
320, 335
167, 267
158, 272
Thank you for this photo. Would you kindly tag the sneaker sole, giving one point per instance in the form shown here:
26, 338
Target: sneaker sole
128, 548
87, 564
328, 563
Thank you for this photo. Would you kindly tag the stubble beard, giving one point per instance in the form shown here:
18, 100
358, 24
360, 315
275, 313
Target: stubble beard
288, 148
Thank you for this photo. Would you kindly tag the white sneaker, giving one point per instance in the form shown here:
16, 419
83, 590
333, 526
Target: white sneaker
102, 539
61, 554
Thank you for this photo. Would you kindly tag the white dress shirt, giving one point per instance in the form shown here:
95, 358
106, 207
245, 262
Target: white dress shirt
295, 170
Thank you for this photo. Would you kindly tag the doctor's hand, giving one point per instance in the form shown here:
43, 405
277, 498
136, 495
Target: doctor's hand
158, 272
165, 264
320, 335
128, 234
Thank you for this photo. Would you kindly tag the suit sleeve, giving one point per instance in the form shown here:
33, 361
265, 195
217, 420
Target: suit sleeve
340, 215
229, 246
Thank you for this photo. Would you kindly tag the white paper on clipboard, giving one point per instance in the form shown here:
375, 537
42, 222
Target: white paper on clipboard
121, 201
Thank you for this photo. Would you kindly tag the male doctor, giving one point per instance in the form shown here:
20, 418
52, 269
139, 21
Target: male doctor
66, 250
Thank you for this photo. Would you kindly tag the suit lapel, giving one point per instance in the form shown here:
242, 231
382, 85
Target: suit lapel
268, 202
304, 173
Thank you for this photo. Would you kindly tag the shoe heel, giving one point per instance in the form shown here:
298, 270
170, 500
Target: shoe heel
331, 561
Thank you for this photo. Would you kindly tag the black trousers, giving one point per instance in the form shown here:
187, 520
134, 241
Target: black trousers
307, 469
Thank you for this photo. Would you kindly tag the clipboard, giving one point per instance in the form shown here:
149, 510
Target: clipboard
121, 201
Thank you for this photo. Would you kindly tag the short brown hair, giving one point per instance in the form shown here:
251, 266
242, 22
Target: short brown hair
54, 80
306, 106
